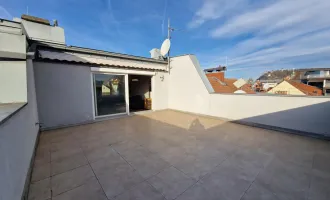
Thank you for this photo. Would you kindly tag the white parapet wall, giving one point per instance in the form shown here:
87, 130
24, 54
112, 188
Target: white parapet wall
13, 81
190, 91
18, 136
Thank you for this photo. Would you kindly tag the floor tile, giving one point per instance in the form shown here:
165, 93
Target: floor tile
42, 156
66, 164
287, 180
171, 182
70, 144
65, 153
99, 153
231, 161
40, 190
93, 144
196, 192
259, 191
197, 167
115, 183
40, 172
89, 191
227, 182
125, 145
172, 155
322, 161
145, 162
67, 181
320, 185
142, 191
113, 163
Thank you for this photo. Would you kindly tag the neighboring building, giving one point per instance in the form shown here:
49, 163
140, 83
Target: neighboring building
220, 84
275, 75
318, 77
289, 87
105, 90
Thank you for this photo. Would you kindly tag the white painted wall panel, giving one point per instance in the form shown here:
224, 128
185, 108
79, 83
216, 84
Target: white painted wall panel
64, 94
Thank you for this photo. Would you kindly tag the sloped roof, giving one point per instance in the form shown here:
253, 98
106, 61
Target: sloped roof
225, 85
219, 88
306, 89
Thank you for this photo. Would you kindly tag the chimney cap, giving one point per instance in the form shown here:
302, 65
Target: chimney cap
216, 69
35, 19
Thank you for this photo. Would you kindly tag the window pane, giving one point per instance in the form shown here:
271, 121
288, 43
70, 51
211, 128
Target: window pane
109, 91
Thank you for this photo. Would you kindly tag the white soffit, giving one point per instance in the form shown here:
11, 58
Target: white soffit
100, 60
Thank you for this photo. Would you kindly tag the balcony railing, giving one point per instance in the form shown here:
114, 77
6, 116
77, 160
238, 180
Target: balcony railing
311, 76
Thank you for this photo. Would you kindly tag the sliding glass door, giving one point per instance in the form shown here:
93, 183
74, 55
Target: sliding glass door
109, 94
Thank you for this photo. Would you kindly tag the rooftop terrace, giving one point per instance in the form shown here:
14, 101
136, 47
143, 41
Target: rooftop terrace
174, 155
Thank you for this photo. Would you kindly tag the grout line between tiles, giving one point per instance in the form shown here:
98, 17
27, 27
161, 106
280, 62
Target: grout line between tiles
311, 176
202, 177
93, 172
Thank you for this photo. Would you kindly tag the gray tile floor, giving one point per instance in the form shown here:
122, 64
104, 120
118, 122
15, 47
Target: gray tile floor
172, 155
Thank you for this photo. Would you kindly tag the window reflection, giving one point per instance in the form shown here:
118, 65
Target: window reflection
109, 93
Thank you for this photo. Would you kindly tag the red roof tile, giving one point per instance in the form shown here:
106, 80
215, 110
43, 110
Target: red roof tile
306, 89
221, 84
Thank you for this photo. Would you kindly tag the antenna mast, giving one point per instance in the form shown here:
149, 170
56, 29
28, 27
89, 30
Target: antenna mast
169, 29
168, 37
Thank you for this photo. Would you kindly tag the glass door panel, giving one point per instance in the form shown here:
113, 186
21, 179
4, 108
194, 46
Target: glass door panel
109, 93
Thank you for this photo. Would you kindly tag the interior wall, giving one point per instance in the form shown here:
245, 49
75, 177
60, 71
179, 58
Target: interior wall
64, 94
17, 141
140, 87
191, 93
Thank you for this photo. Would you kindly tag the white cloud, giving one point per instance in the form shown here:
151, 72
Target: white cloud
278, 15
215, 9
283, 33
5, 14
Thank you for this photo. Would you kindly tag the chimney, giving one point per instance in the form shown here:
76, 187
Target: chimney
40, 29
217, 72
218, 75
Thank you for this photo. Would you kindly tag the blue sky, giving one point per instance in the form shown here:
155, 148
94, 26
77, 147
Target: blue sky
254, 36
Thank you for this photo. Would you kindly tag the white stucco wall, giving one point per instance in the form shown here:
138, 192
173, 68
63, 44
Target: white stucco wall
17, 140
12, 40
306, 114
160, 91
189, 92
13, 81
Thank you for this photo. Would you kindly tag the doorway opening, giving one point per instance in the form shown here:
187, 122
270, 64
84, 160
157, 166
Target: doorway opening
139, 93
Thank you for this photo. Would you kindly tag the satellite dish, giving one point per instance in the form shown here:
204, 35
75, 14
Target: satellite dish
165, 47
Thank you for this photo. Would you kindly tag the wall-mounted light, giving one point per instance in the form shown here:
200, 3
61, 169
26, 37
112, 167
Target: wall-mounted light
162, 78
